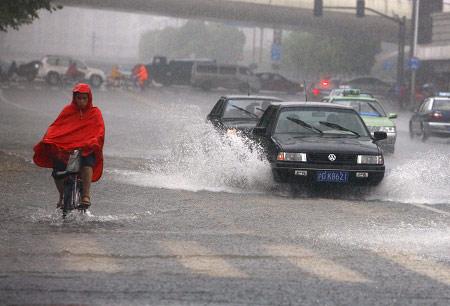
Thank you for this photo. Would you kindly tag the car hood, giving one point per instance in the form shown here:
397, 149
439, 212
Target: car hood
377, 121
324, 144
240, 124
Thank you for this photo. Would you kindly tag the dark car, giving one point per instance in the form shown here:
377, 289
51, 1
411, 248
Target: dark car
29, 70
238, 112
276, 82
432, 118
319, 143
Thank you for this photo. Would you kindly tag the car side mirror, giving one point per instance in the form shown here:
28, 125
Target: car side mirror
392, 116
259, 131
379, 135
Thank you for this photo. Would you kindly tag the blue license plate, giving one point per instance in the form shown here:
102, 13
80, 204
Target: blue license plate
332, 176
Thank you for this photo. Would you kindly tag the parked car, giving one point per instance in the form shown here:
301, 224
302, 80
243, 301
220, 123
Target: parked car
234, 113
373, 114
173, 72
54, 68
276, 82
211, 75
29, 70
316, 142
432, 118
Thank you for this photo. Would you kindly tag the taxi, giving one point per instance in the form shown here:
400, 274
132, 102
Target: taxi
372, 112
432, 118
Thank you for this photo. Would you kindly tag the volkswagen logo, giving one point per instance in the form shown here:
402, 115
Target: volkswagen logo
331, 157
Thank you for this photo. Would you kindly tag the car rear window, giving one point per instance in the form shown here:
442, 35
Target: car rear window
441, 104
245, 108
364, 107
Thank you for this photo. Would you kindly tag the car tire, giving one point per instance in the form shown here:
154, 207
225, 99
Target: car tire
53, 78
425, 134
411, 132
30, 77
206, 86
279, 177
96, 81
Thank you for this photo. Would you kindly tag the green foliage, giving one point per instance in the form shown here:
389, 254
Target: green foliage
351, 53
14, 13
194, 39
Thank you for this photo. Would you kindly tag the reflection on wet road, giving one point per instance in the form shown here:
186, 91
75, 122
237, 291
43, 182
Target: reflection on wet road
183, 216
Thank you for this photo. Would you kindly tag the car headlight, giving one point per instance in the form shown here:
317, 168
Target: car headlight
387, 129
283, 156
370, 159
231, 132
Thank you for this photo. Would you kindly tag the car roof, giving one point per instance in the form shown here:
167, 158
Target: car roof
311, 104
247, 97
359, 98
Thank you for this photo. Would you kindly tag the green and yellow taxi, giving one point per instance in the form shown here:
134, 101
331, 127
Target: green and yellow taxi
372, 113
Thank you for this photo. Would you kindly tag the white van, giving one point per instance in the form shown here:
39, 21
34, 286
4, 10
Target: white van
211, 75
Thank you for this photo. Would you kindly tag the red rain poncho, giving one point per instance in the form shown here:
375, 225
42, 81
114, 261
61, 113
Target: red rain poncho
74, 128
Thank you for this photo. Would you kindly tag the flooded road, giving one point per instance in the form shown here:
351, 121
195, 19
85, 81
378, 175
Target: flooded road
183, 218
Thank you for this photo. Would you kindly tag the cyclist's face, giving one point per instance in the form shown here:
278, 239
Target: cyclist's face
82, 100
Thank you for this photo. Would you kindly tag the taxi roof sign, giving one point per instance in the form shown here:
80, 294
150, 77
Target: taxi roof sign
351, 92
444, 94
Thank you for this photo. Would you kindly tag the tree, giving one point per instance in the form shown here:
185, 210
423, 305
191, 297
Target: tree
14, 13
312, 54
194, 39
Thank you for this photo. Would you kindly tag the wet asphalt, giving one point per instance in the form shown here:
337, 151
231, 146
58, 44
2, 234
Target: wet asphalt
181, 219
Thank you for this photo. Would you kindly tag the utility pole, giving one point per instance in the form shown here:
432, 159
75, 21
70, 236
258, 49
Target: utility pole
412, 97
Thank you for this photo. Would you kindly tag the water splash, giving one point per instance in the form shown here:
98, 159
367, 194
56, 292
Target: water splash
76, 218
197, 157
423, 179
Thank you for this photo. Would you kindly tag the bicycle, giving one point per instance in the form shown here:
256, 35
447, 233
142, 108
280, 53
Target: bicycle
73, 186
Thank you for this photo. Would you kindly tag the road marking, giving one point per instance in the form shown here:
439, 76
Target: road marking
83, 254
443, 212
312, 263
201, 260
434, 270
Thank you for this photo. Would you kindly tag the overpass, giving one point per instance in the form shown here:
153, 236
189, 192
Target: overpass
281, 14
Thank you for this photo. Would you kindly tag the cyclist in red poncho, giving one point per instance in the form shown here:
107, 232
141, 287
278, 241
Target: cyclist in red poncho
79, 126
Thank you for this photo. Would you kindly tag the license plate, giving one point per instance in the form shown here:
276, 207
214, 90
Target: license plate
332, 176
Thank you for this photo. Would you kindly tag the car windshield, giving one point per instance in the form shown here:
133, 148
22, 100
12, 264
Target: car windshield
443, 104
364, 107
245, 108
320, 121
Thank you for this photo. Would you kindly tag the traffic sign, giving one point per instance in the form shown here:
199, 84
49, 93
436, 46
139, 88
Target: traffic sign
414, 63
275, 53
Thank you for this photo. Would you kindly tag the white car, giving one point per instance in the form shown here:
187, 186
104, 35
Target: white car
54, 68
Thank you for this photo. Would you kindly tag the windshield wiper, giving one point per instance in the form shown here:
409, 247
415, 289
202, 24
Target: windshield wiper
304, 124
245, 111
338, 127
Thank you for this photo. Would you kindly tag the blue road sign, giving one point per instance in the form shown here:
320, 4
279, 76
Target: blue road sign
275, 53
414, 63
